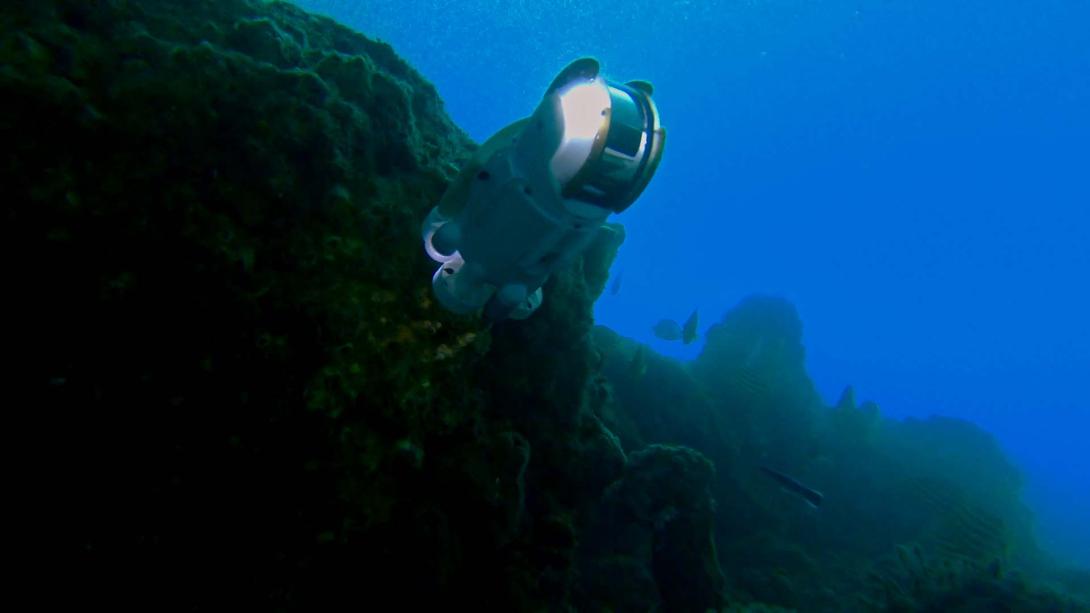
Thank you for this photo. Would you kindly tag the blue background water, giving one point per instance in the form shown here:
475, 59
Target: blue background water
914, 176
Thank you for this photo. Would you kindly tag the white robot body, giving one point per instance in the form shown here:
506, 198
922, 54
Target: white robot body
513, 234
538, 199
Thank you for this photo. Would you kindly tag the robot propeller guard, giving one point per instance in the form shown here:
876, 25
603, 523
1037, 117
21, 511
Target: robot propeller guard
535, 194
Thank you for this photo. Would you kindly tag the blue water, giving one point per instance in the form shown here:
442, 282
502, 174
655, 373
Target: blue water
914, 176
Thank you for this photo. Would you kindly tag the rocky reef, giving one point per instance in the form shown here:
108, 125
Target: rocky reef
917, 515
238, 391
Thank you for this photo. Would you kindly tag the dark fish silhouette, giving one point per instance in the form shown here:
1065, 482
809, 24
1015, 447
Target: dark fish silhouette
670, 330
667, 330
811, 496
688, 331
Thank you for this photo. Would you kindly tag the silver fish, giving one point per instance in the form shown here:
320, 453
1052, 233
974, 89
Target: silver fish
790, 484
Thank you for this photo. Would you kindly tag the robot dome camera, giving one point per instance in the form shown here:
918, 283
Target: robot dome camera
535, 194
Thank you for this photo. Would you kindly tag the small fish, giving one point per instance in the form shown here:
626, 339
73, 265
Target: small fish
688, 332
667, 330
789, 484
615, 287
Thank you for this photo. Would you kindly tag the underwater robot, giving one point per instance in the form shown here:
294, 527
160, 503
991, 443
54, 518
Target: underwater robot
535, 194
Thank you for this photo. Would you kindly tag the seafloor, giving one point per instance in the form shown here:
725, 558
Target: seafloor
233, 389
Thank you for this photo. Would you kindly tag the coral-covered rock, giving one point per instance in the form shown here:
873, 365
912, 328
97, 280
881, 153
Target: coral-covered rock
599, 257
656, 522
753, 363
226, 320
